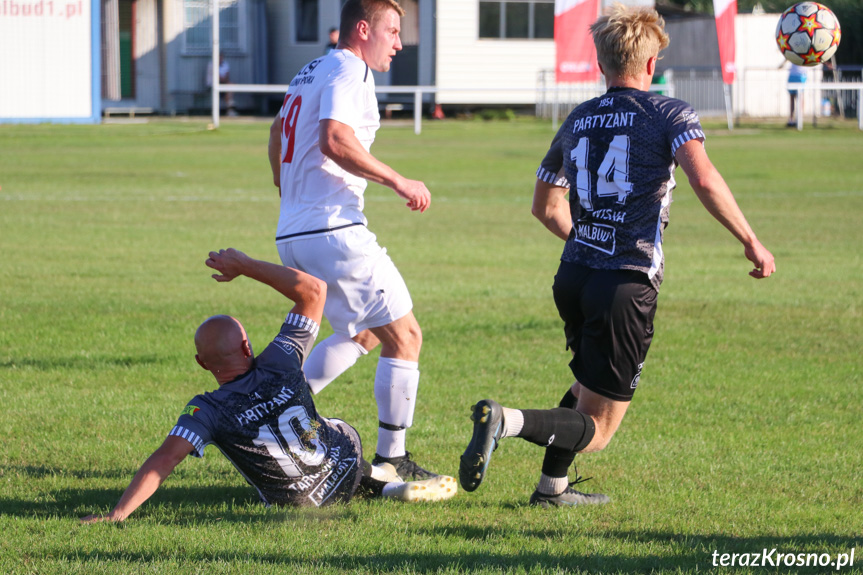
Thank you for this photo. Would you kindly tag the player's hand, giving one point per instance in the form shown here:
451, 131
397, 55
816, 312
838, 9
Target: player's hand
229, 262
763, 260
416, 193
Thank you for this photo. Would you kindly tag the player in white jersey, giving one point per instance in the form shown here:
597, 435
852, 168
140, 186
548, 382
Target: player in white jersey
319, 153
619, 152
262, 416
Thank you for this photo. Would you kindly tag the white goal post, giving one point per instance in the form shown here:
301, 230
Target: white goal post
216, 94
819, 87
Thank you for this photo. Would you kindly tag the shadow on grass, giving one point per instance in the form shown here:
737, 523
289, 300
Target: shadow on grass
209, 503
43, 471
695, 554
74, 502
192, 506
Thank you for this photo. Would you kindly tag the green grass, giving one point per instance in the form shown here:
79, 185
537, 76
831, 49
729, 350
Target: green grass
744, 435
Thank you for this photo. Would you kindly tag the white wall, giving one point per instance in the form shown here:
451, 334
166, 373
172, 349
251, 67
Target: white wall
761, 87
46, 63
464, 60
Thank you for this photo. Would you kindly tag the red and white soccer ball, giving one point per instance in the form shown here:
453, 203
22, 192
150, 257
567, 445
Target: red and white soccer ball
808, 33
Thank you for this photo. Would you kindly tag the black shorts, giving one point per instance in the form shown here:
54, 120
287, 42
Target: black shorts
608, 322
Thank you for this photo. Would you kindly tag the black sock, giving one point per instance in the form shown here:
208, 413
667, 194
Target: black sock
560, 427
557, 461
569, 400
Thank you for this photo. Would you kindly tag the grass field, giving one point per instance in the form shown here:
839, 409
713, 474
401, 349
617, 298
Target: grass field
744, 436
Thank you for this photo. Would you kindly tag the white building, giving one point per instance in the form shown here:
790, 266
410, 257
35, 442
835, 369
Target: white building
154, 54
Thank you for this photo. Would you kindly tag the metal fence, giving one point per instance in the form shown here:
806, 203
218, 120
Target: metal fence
701, 87
757, 92
845, 103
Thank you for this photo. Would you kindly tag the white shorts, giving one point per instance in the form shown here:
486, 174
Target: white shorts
364, 288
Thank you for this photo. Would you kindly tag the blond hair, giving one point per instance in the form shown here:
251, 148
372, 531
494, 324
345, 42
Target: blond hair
627, 38
369, 10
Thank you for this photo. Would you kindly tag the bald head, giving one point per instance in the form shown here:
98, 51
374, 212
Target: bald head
223, 347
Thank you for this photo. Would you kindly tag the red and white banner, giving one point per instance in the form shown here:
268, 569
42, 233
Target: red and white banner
725, 11
576, 54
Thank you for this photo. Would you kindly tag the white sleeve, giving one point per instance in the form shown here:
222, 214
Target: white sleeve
343, 95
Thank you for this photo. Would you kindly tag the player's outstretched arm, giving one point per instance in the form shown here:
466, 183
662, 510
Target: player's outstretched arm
307, 292
148, 479
551, 207
711, 189
340, 144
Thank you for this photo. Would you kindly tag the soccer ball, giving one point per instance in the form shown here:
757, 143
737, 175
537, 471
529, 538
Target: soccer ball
808, 33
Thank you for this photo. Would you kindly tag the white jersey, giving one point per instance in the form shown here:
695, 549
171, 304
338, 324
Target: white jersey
316, 194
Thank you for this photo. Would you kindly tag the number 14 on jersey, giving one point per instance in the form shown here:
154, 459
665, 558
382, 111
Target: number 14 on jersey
613, 172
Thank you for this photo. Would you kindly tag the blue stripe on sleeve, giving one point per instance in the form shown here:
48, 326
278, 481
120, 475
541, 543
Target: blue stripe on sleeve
685, 137
303, 323
191, 437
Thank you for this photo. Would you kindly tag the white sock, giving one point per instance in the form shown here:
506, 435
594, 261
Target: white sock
513, 421
391, 489
396, 383
331, 358
390, 443
552, 485
386, 474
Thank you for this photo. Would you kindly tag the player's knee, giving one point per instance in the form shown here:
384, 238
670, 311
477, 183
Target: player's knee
416, 337
600, 441
401, 339
410, 337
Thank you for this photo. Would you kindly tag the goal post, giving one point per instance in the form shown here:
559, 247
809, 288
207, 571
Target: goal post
832, 87
216, 94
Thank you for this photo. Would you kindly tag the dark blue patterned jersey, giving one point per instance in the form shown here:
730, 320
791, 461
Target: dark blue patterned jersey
266, 424
617, 152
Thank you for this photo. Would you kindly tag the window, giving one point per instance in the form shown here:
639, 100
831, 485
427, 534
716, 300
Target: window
543, 20
306, 20
198, 26
489, 20
516, 16
503, 19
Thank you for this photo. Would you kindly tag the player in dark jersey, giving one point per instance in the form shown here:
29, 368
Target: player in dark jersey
262, 417
615, 156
